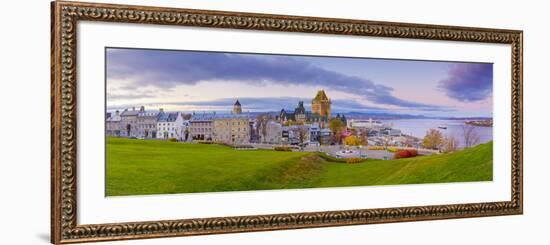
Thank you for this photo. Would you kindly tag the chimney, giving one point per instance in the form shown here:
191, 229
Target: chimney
133, 108
161, 110
117, 112
142, 108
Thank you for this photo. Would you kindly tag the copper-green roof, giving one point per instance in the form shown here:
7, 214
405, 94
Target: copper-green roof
320, 96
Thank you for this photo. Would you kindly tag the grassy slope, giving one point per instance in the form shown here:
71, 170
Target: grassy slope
474, 164
148, 167
152, 167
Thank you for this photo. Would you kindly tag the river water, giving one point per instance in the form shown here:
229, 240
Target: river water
418, 128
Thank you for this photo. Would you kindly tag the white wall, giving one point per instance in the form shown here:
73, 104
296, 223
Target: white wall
25, 93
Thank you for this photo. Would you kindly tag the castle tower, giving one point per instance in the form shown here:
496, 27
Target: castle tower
321, 104
237, 108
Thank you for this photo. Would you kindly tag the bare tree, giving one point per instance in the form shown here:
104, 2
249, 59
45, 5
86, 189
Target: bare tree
262, 121
471, 137
450, 144
302, 134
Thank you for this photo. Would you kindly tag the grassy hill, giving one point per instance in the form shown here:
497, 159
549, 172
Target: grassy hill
136, 167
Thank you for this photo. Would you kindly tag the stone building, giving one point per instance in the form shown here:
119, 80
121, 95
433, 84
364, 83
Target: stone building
300, 113
321, 104
113, 127
320, 113
200, 126
325, 136
147, 123
128, 121
237, 108
231, 129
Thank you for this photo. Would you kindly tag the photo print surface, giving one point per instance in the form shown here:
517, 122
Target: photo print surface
181, 121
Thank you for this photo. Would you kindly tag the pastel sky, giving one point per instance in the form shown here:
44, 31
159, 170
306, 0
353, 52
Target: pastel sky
212, 81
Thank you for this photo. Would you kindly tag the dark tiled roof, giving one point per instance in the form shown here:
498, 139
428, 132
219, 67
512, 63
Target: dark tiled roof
129, 113
212, 116
148, 113
167, 117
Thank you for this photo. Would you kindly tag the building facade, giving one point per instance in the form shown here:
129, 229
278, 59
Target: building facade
113, 126
231, 129
128, 121
321, 104
200, 126
237, 109
169, 125
147, 123
274, 133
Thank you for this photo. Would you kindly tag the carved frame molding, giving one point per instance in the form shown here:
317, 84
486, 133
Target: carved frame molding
65, 16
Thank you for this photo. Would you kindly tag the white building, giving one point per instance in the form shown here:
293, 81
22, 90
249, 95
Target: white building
362, 123
169, 125
274, 133
314, 132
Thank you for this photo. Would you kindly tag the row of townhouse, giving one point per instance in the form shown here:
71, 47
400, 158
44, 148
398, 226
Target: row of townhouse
146, 124
230, 128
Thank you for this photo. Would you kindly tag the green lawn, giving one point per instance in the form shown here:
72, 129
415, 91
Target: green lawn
136, 167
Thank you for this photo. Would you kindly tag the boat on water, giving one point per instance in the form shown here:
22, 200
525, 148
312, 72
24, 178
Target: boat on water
442, 127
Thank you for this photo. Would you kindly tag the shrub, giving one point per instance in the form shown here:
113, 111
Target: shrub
376, 148
392, 149
282, 148
173, 140
405, 154
354, 160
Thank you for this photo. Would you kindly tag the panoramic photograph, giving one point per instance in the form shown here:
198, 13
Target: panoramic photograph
179, 121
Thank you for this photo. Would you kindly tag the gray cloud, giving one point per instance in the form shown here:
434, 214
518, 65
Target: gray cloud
469, 82
266, 104
167, 69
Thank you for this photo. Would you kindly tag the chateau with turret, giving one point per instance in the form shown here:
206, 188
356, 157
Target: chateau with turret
321, 104
320, 111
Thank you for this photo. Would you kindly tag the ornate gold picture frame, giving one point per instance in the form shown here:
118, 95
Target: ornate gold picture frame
64, 187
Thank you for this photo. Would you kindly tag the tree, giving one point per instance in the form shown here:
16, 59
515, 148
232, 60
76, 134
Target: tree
337, 127
186, 133
450, 144
433, 139
187, 116
302, 134
262, 121
471, 137
353, 140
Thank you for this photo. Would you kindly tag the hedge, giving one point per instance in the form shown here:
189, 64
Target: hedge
405, 153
